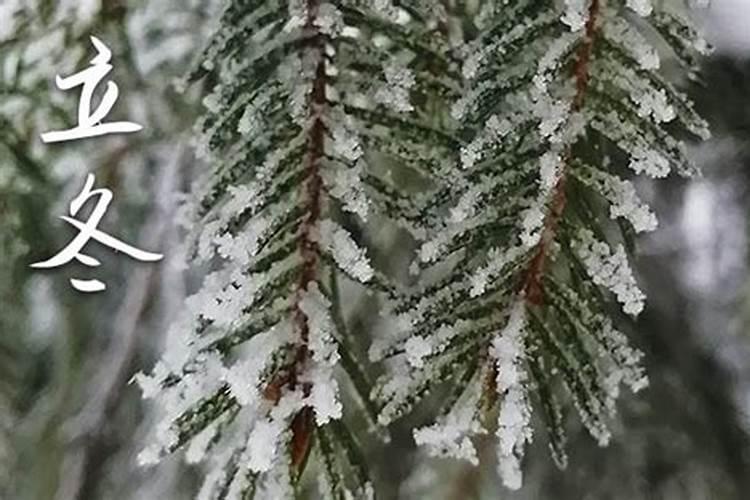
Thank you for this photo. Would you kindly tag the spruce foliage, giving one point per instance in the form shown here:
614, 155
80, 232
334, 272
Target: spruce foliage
523, 134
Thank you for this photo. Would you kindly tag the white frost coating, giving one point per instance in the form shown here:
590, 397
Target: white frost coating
552, 114
315, 306
346, 184
392, 329
297, 15
150, 385
214, 475
277, 483
550, 168
576, 14
649, 162
452, 435
251, 121
644, 158
397, 389
199, 444
655, 104
623, 198
346, 142
9, 15
386, 9
641, 7
264, 441
241, 247
351, 258
532, 223
244, 376
466, 206
324, 396
650, 101
610, 270
206, 243
239, 483
225, 306
474, 151
513, 421
173, 401
417, 348
496, 261
297, 71
241, 197
431, 250
395, 93
553, 59
626, 203
627, 359
628, 38
556, 125
348, 187
329, 19
212, 101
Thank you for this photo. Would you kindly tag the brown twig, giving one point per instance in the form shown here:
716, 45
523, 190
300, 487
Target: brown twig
532, 284
302, 424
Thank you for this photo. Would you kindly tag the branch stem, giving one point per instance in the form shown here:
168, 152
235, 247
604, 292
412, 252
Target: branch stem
532, 285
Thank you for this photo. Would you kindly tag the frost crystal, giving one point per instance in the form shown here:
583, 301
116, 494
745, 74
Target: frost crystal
416, 349
395, 93
198, 446
497, 260
329, 19
532, 223
245, 375
641, 7
550, 169
655, 104
264, 442
650, 162
352, 259
575, 14
346, 143
610, 270
386, 9
628, 368
452, 436
321, 341
251, 121
633, 42
513, 421
622, 196
324, 395
347, 186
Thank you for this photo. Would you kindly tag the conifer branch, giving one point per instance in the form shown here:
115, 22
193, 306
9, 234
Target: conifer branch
532, 287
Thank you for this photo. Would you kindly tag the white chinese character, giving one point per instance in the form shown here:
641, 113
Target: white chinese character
89, 124
88, 230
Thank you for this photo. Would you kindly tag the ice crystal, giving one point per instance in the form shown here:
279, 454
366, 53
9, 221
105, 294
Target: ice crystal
641, 7
513, 421
351, 258
610, 270
452, 436
395, 93
575, 14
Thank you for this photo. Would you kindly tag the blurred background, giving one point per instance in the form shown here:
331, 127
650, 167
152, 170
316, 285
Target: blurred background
71, 424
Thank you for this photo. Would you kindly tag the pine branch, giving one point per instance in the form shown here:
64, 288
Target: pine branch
288, 117
551, 104
532, 287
